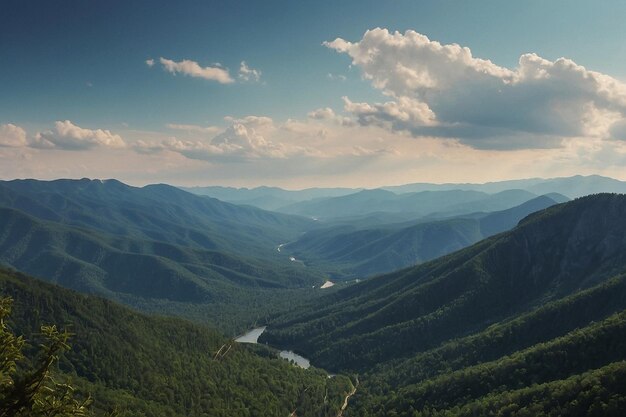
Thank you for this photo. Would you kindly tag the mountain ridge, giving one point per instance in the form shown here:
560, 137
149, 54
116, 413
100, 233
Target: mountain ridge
374, 250
446, 290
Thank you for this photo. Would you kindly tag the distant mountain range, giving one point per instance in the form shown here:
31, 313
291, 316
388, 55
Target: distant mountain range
273, 198
572, 187
516, 320
162, 249
364, 251
156, 247
156, 212
269, 198
413, 205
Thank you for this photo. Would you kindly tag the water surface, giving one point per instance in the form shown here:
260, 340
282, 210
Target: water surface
253, 337
301, 361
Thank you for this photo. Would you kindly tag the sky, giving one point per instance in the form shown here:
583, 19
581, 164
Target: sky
312, 93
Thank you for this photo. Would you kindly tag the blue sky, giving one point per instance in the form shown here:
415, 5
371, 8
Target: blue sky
84, 62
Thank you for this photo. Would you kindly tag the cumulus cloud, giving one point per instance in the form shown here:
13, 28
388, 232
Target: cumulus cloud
193, 128
150, 62
322, 114
244, 139
403, 111
252, 121
68, 136
444, 91
322, 135
328, 114
148, 147
12, 136
248, 74
193, 69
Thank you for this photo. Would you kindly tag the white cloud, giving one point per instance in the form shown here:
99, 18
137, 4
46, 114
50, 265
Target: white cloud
444, 91
193, 69
148, 147
12, 136
405, 111
193, 128
248, 74
252, 121
150, 62
243, 140
256, 150
322, 114
68, 136
328, 114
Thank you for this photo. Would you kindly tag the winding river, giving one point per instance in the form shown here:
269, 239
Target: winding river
253, 336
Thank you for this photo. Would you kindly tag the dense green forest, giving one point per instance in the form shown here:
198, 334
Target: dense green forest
157, 366
156, 248
552, 254
531, 321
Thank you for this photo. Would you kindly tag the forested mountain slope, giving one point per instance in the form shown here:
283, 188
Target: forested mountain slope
155, 212
372, 250
528, 322
154, 366
551, 254
92, 261
157, 247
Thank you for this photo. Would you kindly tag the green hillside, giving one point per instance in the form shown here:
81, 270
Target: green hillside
154, 212
528, 322
157, 248
356, 251
97, 262
152, 366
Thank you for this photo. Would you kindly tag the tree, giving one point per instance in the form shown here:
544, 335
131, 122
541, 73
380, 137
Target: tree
31, 390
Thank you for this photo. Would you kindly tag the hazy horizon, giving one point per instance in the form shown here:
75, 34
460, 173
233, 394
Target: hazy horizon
295, 188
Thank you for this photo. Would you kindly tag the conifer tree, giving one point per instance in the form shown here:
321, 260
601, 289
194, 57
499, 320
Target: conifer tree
31, 390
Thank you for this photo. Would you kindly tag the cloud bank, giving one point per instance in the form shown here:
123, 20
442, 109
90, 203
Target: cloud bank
242, 140
68, 136
444, 91
12, 136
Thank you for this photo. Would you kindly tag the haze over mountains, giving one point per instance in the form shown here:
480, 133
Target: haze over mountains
571, 187
482, 300
270, 198
366, 250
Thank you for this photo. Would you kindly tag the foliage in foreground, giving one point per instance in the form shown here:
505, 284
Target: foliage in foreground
157, 366
32, 390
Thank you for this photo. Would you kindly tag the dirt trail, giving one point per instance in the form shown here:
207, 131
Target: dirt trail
350, 394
